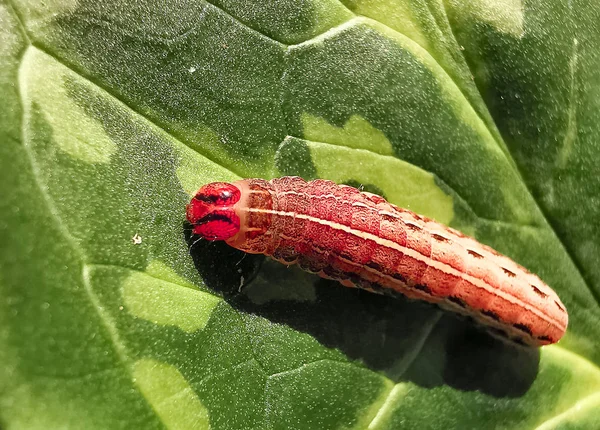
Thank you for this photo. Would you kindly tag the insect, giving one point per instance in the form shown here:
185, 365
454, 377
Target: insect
362, 241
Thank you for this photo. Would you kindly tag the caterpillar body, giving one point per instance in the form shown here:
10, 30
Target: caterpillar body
362, 241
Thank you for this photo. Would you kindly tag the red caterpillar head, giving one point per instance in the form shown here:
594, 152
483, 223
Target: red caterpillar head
212, 212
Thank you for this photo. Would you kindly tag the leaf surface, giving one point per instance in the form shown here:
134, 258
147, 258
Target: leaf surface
483, 116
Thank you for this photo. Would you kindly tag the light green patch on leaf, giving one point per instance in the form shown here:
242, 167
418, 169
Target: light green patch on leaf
397, 14
160, 270
40, 12
585, 414
357, 132
401, 183
10, 41
506, 16
193, 169
583, 376
163, 298
170, 395
42, 82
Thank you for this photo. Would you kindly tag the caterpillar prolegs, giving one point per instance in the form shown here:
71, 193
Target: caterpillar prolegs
361, 240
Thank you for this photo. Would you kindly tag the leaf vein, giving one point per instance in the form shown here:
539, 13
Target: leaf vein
381, 413
245, 24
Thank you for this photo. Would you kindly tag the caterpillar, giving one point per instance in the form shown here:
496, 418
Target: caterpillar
362, 241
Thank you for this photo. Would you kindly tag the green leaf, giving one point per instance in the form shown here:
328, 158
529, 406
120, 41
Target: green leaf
482, 115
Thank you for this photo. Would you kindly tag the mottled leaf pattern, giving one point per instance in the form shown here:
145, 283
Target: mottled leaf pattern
483, 115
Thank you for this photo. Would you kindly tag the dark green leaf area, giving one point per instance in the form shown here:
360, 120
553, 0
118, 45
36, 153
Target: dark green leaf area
426, 23
305, 398
217, 362
362, 326
287, 21
543, 93
293, 159
56, 354
236, 398
408, 343
105, 205
195, 353
54, 342
13, 45
510, 408
192, 69
416, 106
330, 322
464, 356
113, 114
